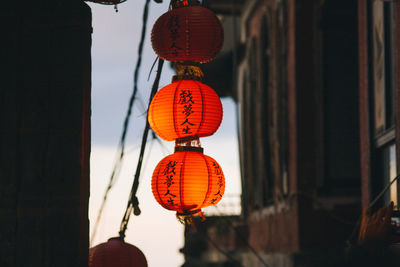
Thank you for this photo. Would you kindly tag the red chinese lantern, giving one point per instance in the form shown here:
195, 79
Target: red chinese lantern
116, 253
185, 108
187, 181
187, 33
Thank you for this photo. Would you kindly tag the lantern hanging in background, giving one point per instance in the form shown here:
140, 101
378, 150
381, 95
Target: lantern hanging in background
116, 253
185, 108
187, 33
187, 181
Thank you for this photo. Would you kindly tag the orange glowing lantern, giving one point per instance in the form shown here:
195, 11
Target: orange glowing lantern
187, 181
187, 33
116, 253
185, 108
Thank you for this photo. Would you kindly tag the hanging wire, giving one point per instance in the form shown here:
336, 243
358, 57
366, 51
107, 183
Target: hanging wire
227, 255
230, 223
133, 202
147, 159
121, 151
166, 151
371, 205
319, 203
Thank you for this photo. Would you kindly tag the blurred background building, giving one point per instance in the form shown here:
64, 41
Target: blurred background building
316, 83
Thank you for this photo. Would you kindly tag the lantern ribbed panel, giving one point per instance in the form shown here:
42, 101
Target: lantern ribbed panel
116, 253
185, 108
187, 181
191, 33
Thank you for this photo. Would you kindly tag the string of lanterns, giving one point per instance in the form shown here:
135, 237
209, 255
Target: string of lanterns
184, 111
187, 109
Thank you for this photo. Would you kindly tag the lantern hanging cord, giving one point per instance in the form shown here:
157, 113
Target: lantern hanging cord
121, 151
133, 202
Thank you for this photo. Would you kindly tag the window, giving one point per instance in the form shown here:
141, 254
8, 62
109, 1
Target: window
282, 87
265, 49
382, 73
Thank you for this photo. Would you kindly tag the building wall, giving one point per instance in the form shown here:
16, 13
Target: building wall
45, 134
318, 116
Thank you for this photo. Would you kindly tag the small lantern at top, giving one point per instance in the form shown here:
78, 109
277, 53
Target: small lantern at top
188, 32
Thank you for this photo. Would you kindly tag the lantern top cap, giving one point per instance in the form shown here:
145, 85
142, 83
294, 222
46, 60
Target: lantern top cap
189, 148
178, 77
184, 3
187, 71
188, 143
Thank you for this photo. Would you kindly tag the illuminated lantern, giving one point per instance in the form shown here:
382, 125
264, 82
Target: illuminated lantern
187, 33
185, 108
187, 181
116, 253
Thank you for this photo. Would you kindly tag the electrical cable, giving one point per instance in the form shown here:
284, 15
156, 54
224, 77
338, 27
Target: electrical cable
229, 257
118, 162
241, 237
212, 242
321, 204
146, 160
133, 202
372, 203
162, 145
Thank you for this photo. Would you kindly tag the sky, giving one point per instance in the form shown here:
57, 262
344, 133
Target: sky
114, 52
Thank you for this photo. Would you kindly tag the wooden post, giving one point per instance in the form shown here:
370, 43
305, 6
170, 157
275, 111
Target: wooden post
45, 134
364, 104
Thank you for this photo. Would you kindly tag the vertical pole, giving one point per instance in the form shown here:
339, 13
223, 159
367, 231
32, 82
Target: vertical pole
364, 103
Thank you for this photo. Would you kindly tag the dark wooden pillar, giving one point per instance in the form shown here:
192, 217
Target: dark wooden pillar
45, 134
364, 103
396, 37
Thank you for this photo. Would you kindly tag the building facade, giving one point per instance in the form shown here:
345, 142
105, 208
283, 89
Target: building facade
316, 84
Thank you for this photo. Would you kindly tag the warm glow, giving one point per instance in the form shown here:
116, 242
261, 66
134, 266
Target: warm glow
185, 108
187, 181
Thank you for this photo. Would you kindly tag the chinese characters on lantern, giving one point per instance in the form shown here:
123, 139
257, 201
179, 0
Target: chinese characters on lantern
169, 172
173, 27
186, 101
220, 182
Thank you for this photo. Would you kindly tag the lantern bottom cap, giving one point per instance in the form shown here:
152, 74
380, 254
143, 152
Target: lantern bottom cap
189, 212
